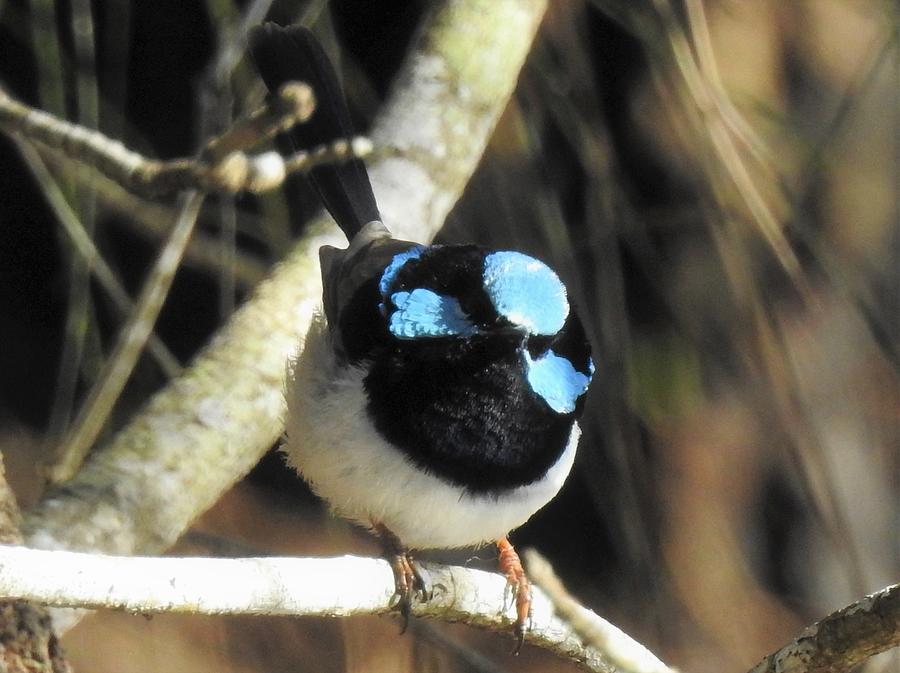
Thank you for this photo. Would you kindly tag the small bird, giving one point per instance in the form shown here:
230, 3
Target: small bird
435, 400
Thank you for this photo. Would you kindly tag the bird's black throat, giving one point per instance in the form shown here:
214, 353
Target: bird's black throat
462, 410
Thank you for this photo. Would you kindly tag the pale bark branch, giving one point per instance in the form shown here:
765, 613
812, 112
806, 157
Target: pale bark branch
324, 587
843, 639
624, 653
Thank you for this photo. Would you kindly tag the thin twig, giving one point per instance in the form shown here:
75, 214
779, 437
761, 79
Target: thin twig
622, 651
91, 257
132, 338
223, 165
708, 66
81, 348
722, 144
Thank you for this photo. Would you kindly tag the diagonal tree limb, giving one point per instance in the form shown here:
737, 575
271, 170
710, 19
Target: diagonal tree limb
208, 427
842, 640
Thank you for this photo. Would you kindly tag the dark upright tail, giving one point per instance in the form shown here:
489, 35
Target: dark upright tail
283, 54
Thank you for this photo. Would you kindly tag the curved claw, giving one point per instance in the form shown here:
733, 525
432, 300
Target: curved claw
404, 583
519, 635
422, 585
523, 611
410, 579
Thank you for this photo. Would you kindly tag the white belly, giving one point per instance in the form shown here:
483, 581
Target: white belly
333, 444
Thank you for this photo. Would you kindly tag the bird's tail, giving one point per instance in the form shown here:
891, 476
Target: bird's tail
284, 54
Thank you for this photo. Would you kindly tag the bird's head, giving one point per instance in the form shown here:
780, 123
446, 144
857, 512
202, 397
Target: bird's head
467, 296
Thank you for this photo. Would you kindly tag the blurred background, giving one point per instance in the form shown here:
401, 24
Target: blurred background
715, 180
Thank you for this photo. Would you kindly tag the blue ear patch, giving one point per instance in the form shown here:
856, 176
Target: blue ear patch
424, 313
556, 380
526, 292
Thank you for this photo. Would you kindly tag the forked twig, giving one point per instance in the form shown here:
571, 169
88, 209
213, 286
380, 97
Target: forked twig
223, 166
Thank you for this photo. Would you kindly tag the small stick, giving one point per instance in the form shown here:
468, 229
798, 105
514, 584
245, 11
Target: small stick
223, 166
625, 653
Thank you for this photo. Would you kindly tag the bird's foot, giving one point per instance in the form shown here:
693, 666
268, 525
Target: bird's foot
410, 579
518, 589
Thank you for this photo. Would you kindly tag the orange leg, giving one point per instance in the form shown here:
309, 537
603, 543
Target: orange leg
511, 567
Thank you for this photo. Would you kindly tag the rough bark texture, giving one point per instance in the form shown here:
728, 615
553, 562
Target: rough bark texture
28, 643
842, 640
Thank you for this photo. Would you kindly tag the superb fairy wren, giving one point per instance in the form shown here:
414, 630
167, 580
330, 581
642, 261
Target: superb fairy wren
436, 399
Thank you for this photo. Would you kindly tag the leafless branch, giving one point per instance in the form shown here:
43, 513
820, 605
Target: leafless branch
623, 652
843, 639
324, 587
223, 165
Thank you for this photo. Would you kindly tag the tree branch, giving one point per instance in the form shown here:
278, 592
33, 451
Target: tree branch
326, 587
843, 639
624, 653
223, 165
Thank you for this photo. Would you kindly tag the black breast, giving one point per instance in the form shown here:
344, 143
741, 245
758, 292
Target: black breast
462, 409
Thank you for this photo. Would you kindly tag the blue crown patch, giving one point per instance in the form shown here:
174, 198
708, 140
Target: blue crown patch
526, 292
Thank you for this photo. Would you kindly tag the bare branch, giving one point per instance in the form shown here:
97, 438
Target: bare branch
223, 165
323, 587
622, 651
842, 640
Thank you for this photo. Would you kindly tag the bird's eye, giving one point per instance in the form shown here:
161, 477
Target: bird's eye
538, 344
